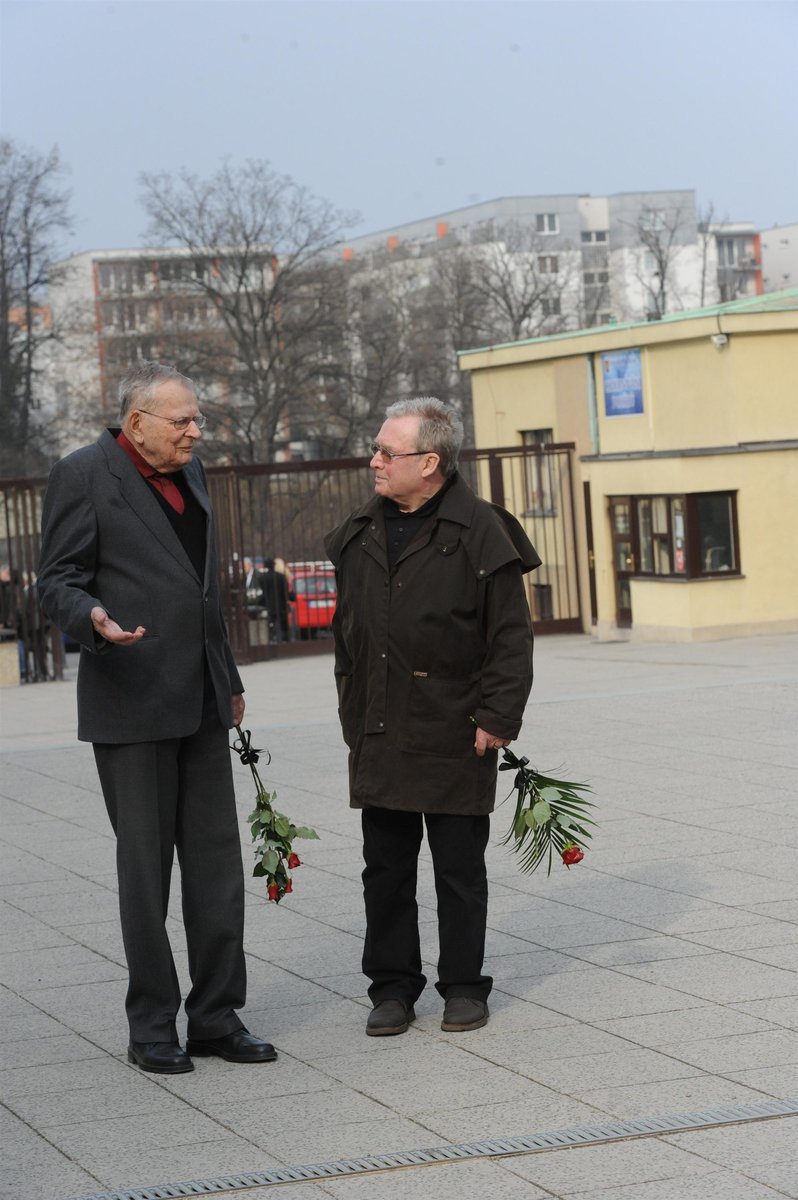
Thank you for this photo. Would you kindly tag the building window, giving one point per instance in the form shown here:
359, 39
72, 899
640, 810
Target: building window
548, 264
550, 306
539, 475
654, 531
726, 252
547, 223
715, 518
690, 536
652, 220
597, 235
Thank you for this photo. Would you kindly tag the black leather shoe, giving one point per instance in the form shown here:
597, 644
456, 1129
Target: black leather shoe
389, 1017
240, 1047
461, 1013
165, 1058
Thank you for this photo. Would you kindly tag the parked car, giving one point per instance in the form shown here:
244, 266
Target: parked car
314, 596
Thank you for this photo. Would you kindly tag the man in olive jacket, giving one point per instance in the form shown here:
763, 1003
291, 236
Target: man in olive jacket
128, 569
433, 644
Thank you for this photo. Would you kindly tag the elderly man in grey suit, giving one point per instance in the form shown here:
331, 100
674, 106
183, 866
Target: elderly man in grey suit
128, 569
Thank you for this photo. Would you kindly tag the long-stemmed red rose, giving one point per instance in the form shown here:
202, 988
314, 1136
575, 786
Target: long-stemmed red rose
550, 816
272, 832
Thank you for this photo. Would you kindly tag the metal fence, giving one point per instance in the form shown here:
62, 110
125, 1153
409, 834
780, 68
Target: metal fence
282, 511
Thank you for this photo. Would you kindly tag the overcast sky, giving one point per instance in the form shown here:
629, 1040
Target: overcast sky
401, 109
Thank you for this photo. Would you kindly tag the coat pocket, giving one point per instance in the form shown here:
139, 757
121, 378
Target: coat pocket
347, 709
438, 718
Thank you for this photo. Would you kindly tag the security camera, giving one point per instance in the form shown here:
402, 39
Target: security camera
719, 340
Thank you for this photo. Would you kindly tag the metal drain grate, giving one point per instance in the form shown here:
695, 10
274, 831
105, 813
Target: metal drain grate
729, 1114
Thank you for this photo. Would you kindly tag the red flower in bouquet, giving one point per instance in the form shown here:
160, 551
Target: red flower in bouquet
272, 832
571, 855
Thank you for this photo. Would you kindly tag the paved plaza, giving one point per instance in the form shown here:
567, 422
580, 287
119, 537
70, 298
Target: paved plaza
660, 976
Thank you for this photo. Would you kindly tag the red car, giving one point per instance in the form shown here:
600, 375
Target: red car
314, 600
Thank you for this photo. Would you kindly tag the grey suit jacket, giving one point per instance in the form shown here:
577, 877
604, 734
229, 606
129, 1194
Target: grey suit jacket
106, 541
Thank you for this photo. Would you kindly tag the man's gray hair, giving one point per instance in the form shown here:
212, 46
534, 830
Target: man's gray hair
440, 429
141, 381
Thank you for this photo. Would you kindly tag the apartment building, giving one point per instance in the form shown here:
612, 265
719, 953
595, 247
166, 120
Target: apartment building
779, 257
632, 255
119, 305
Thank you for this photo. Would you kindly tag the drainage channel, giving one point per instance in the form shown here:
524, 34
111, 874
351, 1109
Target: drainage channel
558, 1139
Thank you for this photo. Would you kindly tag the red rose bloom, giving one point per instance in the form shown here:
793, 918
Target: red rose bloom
273, 891
294, 861
289, 887
571, 855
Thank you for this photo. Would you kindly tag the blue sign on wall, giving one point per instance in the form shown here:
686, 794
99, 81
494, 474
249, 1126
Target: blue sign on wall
623, 383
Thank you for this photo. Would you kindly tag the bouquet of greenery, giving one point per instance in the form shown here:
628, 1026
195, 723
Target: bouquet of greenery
550, 815
272, 833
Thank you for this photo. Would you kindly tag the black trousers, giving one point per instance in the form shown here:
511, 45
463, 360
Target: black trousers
163, 795
391, 953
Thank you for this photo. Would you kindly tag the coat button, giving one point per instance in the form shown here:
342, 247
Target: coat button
383, 656
482, 570
382, 724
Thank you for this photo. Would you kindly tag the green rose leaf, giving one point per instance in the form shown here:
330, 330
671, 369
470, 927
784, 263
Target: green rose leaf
550, 794
270, 860
541, 812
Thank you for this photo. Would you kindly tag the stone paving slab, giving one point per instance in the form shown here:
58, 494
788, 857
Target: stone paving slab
659, 976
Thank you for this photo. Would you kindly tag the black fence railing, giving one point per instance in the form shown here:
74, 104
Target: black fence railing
281, 512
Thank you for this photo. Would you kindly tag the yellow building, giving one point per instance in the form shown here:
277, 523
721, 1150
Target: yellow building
682, 521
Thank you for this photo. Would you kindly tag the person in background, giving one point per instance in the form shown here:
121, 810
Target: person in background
275, 592
253, 586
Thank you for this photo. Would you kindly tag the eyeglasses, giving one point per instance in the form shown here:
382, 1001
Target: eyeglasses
180, 423
388, 455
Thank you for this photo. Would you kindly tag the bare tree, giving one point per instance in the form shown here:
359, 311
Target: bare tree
256, 243
450, 315
523, 284
706, 238
658, 234
34, 214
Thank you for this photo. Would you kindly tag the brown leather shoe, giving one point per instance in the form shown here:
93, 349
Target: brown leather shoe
164, 1058
389, 1017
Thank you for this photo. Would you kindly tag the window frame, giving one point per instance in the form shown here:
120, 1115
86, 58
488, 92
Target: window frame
547, 223
540, 484
665, 540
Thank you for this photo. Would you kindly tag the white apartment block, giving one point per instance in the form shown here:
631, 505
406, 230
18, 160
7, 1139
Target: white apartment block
779, 257
615, 249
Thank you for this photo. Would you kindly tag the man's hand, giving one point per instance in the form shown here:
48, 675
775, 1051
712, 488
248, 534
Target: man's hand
486, 741
111, 631
238, 709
